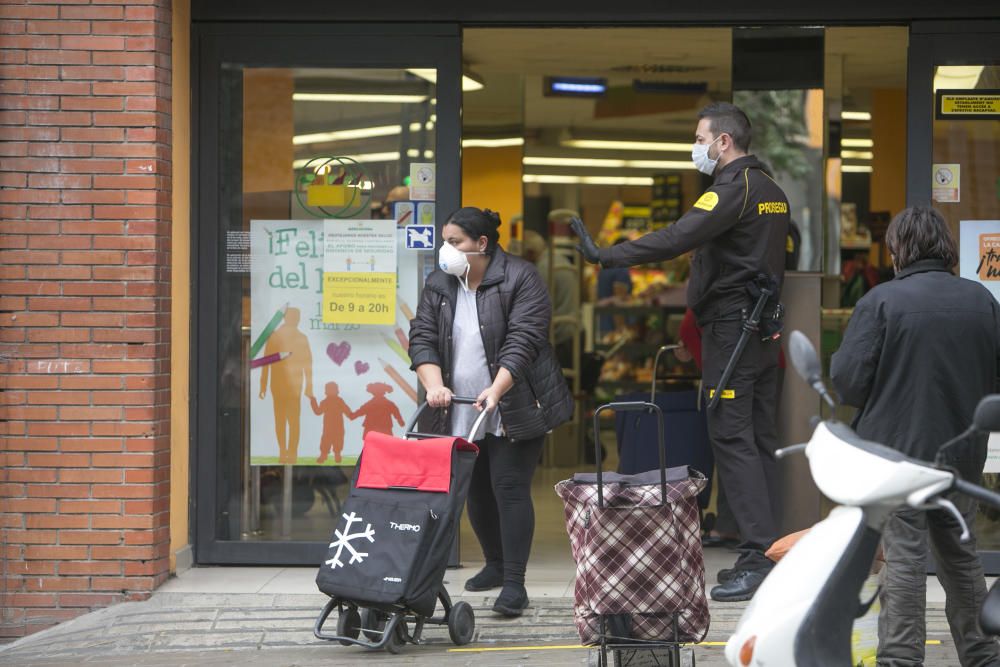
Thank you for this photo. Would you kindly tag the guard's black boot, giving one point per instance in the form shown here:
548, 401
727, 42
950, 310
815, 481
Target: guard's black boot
726, 574
512, 601
488, 578
742, 586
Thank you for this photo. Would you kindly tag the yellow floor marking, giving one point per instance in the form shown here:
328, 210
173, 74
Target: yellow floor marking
516, 648
569, 647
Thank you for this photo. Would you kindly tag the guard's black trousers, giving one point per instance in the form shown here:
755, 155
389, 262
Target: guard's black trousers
744, 435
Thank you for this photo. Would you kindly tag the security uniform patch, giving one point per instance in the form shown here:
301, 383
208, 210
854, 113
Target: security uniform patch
772, 207
707, 201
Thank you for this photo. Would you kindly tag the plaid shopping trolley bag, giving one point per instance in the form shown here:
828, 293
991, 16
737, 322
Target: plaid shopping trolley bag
636, 540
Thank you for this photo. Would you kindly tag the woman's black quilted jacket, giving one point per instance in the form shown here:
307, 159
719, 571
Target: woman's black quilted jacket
514, 315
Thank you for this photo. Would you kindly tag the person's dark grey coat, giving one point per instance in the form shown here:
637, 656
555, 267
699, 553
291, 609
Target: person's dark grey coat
514, 316
919, 353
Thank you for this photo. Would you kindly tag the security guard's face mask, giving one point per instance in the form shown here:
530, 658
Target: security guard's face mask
699, 155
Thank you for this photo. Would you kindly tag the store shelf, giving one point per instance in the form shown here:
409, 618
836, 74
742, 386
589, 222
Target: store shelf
648, 329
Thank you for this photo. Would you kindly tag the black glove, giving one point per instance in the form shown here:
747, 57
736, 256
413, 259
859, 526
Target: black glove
586, 247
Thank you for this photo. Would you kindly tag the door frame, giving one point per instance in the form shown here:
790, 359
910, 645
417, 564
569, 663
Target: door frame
282, 45
939, 43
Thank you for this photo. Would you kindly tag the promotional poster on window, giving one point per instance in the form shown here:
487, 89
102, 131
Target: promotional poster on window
979, 252
331, 302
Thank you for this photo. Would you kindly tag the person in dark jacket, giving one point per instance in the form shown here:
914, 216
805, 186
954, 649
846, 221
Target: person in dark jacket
919, 353
739, 229
482, 329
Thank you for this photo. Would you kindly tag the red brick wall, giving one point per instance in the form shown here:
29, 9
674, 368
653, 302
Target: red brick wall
84, 306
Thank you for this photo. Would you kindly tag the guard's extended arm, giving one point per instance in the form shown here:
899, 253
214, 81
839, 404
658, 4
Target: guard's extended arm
715, 212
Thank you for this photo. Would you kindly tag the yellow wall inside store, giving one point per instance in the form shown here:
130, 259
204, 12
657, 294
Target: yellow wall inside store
888, 183
268, 127
180, 283
491, 178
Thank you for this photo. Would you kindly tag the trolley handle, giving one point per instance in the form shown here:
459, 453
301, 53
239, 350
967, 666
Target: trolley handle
460, 400
630, 406
656, 364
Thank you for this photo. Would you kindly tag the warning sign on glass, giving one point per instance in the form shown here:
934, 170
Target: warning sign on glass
967, 104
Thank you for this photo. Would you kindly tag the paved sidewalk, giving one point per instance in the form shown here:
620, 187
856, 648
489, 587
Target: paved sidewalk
264, 616
186, 628
264, 629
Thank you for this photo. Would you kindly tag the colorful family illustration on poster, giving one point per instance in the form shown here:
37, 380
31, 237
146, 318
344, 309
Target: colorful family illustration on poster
318, 387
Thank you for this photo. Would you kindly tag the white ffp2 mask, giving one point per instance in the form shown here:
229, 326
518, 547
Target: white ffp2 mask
455, 262
699, 155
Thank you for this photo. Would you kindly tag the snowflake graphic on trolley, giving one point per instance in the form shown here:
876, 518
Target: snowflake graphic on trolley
344, 540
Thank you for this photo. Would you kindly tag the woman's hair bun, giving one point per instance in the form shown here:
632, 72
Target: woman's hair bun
492, 215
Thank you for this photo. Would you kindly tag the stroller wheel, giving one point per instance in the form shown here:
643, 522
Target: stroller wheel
349, 624
373, 623
461, 623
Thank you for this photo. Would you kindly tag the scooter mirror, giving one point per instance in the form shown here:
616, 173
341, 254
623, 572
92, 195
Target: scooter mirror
804, 357
989, 615
987, 415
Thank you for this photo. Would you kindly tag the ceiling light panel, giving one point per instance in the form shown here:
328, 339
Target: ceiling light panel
957, 76
600, 144
855, 115
562, 179
568, 162
572, 162
363, 158
358, 97
469, 83
356, 133
493, 143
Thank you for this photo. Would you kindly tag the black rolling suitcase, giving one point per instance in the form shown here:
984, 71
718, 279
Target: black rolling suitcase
386, 560
686, 427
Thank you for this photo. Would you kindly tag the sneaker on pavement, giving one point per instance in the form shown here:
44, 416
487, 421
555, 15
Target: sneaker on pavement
489, 577
512, 601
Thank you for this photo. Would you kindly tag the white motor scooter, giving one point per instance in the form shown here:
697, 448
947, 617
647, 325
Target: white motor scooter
803, 612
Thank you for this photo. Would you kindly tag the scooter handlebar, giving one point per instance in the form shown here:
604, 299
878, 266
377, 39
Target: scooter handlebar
979, 493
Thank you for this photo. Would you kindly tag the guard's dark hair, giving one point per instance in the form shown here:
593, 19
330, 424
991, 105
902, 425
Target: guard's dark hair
920, 232
477, 222
728, 118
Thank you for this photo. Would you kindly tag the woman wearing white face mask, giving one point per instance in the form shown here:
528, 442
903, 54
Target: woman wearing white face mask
482, 329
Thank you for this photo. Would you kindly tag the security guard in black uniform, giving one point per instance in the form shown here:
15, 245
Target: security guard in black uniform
739, 229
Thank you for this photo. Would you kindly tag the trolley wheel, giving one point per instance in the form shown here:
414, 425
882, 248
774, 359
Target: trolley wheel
373, 623
349, 624
397, 638
461, 623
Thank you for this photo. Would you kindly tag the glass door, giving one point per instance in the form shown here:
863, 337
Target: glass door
954, 163
327, 159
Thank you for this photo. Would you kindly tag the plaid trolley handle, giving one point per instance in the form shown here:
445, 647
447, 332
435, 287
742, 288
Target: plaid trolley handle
630, 406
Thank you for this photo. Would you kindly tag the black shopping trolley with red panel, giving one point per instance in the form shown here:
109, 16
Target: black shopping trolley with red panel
384, 569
